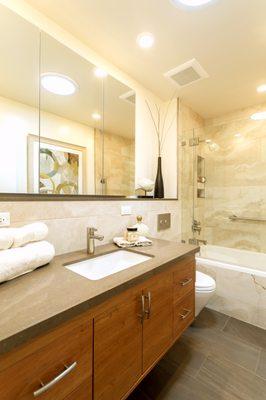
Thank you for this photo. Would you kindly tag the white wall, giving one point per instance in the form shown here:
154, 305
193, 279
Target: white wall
146, 153
17, 121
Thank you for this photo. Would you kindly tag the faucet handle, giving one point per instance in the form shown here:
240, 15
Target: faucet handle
91, 230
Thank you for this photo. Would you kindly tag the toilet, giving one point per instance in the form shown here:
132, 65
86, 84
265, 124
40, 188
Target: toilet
205, 288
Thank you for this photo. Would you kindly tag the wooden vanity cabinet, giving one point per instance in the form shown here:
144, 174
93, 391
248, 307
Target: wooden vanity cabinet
158, 321
118, 346
135, 329
67, 349
108, 350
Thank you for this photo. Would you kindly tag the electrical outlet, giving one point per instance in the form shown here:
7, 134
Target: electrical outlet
164, 221
4, 219
126, 210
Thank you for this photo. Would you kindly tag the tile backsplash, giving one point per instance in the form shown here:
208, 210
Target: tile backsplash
68, 220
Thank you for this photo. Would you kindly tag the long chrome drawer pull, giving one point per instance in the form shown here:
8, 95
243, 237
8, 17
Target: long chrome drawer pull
148, 312
54, 381
142, 315
185, 282
185, 314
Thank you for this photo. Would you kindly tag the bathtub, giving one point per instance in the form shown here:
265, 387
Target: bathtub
240, 277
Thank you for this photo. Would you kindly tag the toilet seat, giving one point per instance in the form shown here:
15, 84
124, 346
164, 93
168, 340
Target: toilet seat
204, 283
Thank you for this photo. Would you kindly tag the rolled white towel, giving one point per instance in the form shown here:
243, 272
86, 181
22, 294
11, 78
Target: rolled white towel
19, 261
6, 238
28, 233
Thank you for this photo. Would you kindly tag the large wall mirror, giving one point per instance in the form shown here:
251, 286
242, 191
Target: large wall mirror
66, 127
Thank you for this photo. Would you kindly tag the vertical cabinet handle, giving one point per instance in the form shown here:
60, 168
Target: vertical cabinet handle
142, 314
148, 311
58, 378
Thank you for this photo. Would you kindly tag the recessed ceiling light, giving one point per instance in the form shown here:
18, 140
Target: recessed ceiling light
208, 141
58, 83
238, 135
100, 73
145, 40
261, 88
190, 3
259, 116
96, 116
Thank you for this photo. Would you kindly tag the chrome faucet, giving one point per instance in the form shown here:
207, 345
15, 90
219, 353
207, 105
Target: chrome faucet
90, 239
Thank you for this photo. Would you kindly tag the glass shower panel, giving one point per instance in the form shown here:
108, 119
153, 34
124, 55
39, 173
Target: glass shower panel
223, 185
235, 207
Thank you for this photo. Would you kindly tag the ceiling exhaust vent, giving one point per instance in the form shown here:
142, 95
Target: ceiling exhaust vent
130, 97
187, 73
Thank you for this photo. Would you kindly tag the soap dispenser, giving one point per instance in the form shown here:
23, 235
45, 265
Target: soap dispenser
143, 229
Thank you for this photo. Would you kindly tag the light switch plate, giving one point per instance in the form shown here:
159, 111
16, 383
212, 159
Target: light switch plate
4, 219
126, 210
164, 221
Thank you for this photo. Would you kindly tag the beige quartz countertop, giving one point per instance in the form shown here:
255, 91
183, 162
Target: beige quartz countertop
48, 296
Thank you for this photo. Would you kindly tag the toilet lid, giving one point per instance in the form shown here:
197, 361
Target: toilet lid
204, 282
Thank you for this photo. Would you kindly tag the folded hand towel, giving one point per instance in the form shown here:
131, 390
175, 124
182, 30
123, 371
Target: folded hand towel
6, 238
19, 261
28, 233
142, 241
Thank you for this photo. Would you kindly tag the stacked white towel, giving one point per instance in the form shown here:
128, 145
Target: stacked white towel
6, 239
17, 237
19, 261
23, 249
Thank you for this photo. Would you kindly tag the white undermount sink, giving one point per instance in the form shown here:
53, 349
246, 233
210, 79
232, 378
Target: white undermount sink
108, 264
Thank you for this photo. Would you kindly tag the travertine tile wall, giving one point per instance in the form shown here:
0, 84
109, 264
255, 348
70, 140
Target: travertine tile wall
236, 181
68, 220
119, 164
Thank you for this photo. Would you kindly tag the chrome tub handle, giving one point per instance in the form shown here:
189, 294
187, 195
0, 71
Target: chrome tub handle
54, 381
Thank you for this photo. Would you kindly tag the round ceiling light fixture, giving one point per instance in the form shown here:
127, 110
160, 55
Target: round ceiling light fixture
58, 83
145, 40
190, 3
261, 89
100, 73
96, 116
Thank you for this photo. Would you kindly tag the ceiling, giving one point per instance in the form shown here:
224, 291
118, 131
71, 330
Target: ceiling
19, 73
228, 38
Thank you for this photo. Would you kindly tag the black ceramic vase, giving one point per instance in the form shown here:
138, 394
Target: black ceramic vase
159, 187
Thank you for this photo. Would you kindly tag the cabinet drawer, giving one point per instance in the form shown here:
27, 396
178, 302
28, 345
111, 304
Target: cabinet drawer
84, 392
67, 357
184, 312
184, 280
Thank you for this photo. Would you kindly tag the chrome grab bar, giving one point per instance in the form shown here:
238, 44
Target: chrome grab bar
57, 379
236, 218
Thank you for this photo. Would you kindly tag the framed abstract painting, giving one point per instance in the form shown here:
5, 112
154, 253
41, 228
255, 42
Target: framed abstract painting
55, 167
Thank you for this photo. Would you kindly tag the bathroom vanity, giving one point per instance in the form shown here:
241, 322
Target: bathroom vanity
63, 336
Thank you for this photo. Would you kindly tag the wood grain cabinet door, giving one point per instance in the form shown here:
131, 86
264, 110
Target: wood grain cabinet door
158, 323
51, 369
118, 346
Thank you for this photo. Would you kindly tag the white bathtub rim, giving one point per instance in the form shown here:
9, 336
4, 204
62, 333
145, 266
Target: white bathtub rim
211, 262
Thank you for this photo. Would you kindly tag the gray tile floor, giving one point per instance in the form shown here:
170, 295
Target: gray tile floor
218, 358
